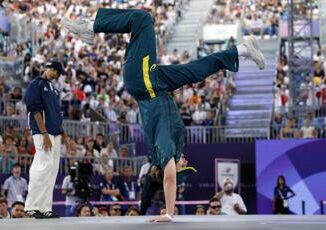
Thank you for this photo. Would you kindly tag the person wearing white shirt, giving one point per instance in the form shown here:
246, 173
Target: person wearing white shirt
109, 151
308, 131
132, 114
232, 203
15, 186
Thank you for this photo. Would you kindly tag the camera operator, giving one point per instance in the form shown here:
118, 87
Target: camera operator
152, 190
69, 191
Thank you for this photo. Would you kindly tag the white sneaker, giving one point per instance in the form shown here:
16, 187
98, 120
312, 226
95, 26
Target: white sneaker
254, 53
79, 28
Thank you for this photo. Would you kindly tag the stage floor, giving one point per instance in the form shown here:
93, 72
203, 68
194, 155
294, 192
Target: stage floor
182, 222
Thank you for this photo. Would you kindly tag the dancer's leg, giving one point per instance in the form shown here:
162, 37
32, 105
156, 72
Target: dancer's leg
170, 186
176, 76
137, 22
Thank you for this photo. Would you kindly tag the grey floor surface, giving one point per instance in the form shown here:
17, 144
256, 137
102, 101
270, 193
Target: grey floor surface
182, 222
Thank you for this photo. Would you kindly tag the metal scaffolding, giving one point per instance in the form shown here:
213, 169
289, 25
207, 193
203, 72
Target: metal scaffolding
301, 45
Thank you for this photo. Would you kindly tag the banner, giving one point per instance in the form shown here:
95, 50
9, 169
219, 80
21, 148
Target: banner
220, 32
227, 169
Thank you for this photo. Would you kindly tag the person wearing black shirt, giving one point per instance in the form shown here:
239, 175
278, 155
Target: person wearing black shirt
282, 193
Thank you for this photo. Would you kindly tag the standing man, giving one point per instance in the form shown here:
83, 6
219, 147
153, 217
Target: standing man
15, 187
150, 83
45, 120
232, 203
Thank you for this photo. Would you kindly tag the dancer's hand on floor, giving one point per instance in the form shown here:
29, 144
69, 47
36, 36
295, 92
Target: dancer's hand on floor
160, 219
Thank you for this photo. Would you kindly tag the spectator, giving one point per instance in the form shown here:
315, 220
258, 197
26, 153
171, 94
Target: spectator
23, 146
104, 164
215, 207
200, 210
123, 152
17, 210
4, 213
68, 189
15, 187
103, 211
115, 210
84, 210
181, 185
199, 116
129, 187
281, 197
132, 114
90, 148
6, 161
232, 203
287, 132
308, 131
79, 149
109, 189
99, 142
175, 58
9, 146
109, 150
132, 211
186, 117
277, 124
96, 211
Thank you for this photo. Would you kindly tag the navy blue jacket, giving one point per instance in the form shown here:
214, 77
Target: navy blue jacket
41, 96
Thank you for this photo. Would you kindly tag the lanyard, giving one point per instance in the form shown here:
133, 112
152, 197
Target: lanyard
132, 186
108, 185
281, 195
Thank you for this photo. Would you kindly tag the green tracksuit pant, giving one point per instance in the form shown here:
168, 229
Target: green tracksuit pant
150, 83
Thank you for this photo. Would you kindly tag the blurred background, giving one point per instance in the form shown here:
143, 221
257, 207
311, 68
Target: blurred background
258, 134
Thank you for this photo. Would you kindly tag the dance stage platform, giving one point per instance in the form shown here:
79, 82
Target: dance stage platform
181, 222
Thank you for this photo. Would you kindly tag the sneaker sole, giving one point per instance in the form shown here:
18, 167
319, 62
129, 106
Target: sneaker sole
253, 45
71, 27
254, 42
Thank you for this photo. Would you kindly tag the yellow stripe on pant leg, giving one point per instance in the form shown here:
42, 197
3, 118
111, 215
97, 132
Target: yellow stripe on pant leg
147, 81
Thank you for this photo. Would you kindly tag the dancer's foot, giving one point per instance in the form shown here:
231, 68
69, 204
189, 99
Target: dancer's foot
161, 219
80, 28
254, 53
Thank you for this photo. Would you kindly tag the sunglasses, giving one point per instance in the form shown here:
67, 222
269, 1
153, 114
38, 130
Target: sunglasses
215, 207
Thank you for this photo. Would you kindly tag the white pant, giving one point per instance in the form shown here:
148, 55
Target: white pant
43, 174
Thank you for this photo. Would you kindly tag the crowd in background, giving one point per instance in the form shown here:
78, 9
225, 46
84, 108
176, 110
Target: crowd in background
260, 18
18, 147
300, 112
93, 74
147, 188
